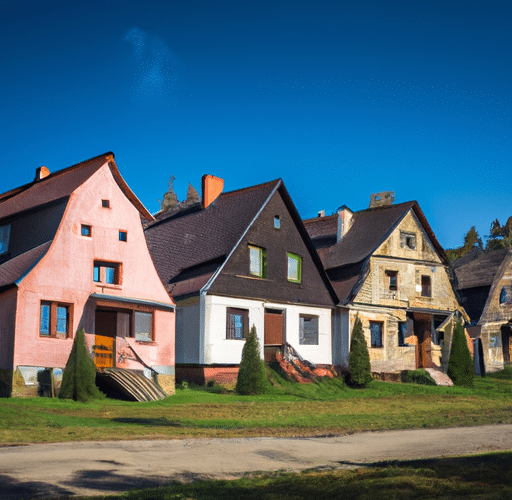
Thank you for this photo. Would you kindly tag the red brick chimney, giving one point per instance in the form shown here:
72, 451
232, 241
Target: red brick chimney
211, 188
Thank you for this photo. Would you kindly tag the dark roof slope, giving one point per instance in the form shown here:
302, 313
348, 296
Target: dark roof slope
196, 237
477, 270
12, 270
370, 228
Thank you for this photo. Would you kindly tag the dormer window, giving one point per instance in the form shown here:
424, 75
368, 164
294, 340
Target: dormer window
86, 230
277, 222
105, 203
408, 240
4, 238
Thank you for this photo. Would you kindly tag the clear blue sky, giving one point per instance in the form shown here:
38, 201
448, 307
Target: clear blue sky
339, 98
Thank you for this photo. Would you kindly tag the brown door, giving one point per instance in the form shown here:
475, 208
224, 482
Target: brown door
423, 331
505, 342
274, 327
104, 341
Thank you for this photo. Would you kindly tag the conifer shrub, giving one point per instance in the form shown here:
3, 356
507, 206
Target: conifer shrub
359, 359
460, 363
252, 377
79, 377
420, 376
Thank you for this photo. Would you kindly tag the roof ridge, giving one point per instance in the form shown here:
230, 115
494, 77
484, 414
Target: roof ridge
249, 188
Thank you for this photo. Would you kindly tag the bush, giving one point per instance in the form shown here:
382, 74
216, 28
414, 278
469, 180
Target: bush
252, 377
416, 377
79, 377
359, 359
460, 364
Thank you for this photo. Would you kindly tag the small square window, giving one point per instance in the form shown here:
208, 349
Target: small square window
408, 240
107, 272
237, 323
143, 326
277, 222
308, 329
105, 203
376, 333
55, 320
86, 230
257, 261
294, 268
123, 236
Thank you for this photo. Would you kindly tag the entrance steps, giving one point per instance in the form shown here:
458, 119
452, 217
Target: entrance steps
129, 385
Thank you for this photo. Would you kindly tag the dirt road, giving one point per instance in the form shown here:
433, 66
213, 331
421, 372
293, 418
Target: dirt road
107, 467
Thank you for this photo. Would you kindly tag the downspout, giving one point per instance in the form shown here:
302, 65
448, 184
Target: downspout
202, 326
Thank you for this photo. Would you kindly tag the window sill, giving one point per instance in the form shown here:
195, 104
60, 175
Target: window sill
146, 342
251, 277
107, 286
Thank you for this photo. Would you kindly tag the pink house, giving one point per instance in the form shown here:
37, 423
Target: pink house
73, 255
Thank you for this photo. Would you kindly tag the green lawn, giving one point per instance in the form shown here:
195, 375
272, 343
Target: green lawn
324, 408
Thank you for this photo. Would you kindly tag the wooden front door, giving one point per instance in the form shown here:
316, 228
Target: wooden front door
104, 341
274, 327
423, 331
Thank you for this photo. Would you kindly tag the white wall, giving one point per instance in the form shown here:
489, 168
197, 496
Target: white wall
218, 349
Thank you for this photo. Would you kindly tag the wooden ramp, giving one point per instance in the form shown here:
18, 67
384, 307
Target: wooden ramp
128, 384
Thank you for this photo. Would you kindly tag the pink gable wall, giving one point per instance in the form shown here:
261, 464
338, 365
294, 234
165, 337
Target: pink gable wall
65, 274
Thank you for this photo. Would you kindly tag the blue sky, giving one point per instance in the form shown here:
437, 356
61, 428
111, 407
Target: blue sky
339, 98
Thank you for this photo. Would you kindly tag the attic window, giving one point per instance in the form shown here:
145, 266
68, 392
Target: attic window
86, 230
277, 222
123, 236
392, 278
506, 295
4, 238
105, 203
408, 240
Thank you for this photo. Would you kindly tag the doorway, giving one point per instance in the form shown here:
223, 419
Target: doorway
423, 332
274, 336
104, 340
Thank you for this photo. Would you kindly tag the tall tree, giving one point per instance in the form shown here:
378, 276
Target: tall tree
501, 236
170, 198
472, 242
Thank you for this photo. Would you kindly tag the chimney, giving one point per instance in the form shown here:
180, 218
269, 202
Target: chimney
41, 173
344, 221
321, 213
212, 187
382, 199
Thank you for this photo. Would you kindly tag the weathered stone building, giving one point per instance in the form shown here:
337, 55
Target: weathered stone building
387, 266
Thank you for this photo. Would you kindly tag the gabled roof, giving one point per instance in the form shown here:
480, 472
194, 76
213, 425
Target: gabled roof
39, 193
370, 228
197, 237
189, 247
476, 270
60, 185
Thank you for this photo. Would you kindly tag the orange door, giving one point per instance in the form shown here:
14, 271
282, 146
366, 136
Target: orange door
104, 341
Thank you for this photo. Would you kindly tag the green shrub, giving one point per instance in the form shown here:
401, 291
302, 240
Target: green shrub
252, 377
359, 359
79, 377
416, 377
460, 364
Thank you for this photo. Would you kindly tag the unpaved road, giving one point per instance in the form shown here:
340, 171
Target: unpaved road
106, 467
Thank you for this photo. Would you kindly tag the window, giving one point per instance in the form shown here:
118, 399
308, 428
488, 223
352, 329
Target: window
143, 325
86, 230
237, 323
55, 320
376, 333
392, 279
105, 203
107, 272
294, 268
123, 236
426, 289
308, 330
4, 238
277, 222
506, 295
257, 261
402, 333
408, 240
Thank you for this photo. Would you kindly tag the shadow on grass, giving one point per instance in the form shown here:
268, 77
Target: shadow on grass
157, 421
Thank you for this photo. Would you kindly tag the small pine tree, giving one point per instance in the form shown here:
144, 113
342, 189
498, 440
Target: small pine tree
252, 377
79, 378
359, 358
460, 364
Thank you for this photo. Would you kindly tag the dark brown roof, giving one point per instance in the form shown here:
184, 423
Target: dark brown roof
12, 270
477, 270
61, 184
370, 228
192, 238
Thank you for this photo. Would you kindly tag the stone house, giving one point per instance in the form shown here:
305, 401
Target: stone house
484, 283
73, 255
387, 266
234, 260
